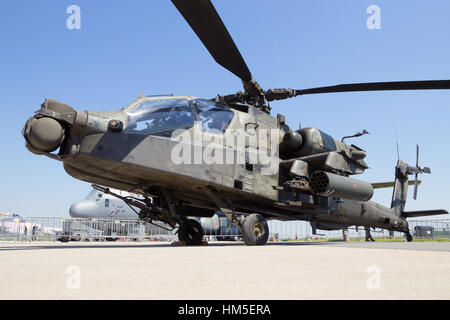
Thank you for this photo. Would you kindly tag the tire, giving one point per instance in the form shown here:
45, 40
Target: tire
191, 231
255, 230
409, 237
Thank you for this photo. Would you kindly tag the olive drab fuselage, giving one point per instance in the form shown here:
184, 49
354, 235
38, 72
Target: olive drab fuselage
139, 160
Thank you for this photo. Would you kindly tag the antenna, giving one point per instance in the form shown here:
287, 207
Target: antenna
358, 134
396, 141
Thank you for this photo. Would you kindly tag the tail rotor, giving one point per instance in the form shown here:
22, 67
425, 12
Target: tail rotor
416, 170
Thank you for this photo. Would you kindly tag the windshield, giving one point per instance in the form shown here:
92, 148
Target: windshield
214, 118
153, 116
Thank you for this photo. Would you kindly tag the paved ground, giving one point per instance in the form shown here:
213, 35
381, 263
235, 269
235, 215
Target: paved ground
422, 246
315, 270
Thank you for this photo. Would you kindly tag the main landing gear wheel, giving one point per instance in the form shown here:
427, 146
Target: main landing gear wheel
191, 231
409, 237
255, 230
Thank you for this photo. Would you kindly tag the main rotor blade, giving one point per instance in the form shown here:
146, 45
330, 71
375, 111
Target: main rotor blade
380, 86
207, 25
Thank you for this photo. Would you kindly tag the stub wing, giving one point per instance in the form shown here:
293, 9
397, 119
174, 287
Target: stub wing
379, 185
424, 213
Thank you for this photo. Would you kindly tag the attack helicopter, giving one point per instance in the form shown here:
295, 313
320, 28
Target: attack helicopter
168, 150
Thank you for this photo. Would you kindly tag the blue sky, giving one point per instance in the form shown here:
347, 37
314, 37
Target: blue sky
126, 48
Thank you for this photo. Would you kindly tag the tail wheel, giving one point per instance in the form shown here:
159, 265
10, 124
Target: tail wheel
409, 237
190, 231
255, 230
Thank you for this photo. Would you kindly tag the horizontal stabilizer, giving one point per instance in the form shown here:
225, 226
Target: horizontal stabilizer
379, 185
425, 213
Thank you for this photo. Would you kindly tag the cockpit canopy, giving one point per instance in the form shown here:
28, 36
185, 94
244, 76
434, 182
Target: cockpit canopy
163, 116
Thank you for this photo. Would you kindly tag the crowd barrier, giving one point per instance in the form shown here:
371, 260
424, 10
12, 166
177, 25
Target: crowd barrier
62, 229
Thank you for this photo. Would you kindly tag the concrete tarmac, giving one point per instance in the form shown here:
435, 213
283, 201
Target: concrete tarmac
302, 270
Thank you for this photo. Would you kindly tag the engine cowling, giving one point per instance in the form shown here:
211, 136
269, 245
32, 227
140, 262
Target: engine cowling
308, 141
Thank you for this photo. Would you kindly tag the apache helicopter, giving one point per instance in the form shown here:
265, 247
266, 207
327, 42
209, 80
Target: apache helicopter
132, 149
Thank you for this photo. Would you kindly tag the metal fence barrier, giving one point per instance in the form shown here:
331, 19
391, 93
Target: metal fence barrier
288, 230
60, 229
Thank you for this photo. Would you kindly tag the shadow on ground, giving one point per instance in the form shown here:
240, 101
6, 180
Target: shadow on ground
86, 245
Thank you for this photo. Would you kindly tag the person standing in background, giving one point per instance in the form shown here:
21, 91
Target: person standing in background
368, 235
345, 234
33, 233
